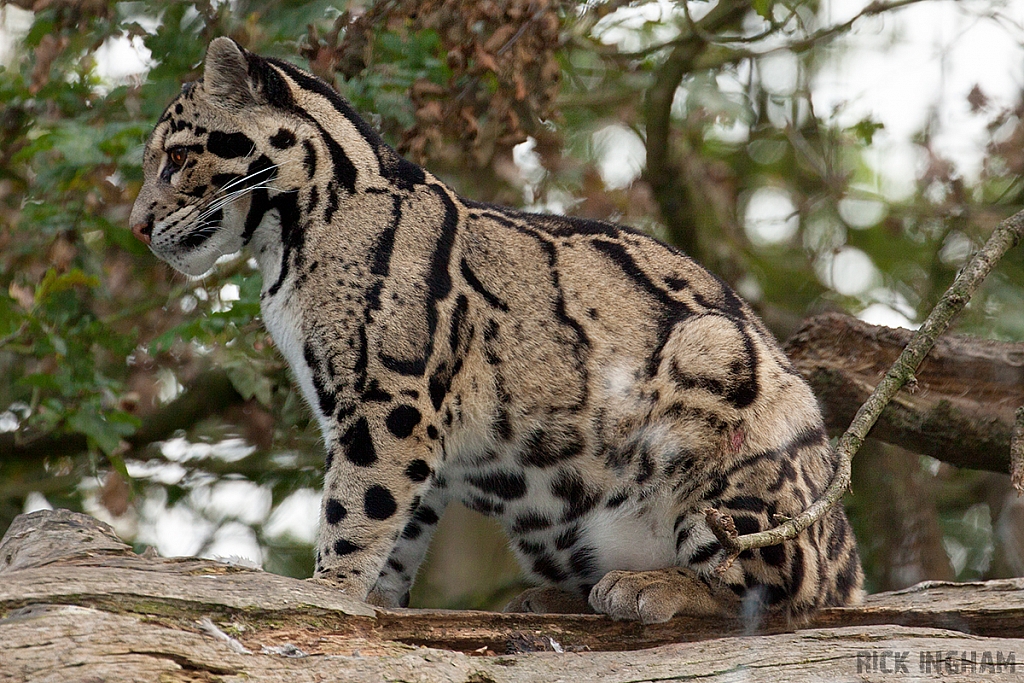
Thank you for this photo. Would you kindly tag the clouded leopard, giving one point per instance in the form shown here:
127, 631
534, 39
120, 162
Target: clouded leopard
591, 388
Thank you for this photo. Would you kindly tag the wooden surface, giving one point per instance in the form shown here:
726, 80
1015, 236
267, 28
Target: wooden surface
77, 605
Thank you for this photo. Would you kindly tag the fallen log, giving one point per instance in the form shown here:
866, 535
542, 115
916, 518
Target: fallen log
77, 604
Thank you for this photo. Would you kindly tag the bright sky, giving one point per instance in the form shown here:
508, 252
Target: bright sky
899, 69
923, 61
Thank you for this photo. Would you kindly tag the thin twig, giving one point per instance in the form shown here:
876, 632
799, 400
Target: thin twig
1007, 234
815, 39
4, 341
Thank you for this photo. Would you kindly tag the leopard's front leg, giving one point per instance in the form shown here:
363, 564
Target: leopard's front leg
375, 479
395, 580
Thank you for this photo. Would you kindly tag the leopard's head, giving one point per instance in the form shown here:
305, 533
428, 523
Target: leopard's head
225, 142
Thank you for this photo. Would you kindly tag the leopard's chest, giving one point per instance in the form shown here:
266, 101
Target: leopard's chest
284, 320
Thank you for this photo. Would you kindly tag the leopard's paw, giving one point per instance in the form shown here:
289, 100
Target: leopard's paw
381, 598
653, 597
325, 580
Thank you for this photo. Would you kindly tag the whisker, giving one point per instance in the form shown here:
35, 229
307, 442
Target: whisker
242, 179
234, 194
221, 202
230, 193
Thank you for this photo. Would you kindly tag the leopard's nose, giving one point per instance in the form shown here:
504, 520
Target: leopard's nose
144, 230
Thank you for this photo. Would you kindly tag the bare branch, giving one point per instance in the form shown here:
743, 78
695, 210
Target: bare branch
733, 55
1007, 234
208, 394
826, 34
1017, 453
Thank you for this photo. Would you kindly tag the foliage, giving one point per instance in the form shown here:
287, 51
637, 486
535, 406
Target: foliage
532, 103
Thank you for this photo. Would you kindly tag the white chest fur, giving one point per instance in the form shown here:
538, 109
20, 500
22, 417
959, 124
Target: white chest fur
283, 319
282, 313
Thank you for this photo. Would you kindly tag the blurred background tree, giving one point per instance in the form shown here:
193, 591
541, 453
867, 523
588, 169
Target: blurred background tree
779, 142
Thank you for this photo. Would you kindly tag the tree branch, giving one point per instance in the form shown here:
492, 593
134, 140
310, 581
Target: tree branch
688, 189
967, 388
1017, 452
209, 393
680, 206
77, 599
1007, 234
802, 45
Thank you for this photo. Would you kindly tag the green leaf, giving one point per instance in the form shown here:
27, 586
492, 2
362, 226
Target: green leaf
764, 8
117, 462
105, 433
42, 26
53, 283
250, 382
865, 130
41, 380
10, 317
187, 331
59, 345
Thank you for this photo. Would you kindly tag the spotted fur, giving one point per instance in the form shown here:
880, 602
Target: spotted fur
590, 387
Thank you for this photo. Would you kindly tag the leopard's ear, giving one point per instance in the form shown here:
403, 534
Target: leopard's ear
226, 74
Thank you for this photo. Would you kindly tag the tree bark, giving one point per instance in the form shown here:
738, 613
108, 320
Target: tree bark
77, 604
961, 411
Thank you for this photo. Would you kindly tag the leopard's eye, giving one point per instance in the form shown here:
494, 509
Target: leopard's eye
177, 155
